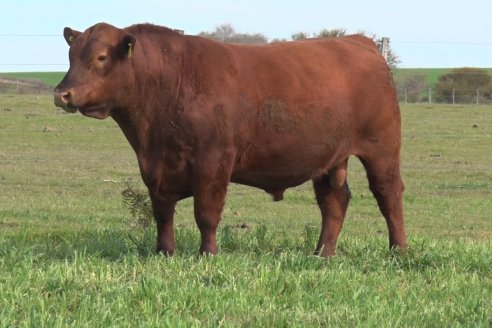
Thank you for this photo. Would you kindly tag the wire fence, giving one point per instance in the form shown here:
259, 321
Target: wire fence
23, 86
453, 97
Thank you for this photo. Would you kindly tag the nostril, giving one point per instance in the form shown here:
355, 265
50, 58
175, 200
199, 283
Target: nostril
66, 96
63, 97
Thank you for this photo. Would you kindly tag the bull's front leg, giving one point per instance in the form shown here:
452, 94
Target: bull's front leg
209, 192
164, 218
209, 199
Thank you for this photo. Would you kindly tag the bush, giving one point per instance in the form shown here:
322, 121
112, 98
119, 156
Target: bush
411, 88
139, 204
464, 85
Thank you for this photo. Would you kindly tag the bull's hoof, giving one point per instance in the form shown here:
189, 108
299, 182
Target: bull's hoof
165, 252
207, 252
326, 256
398, 249
325, 252
277, 195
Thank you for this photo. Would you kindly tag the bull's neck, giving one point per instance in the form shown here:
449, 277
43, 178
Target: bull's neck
143, 122
135, 126
155, 93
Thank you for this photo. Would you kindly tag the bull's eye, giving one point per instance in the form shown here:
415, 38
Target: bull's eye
102, 58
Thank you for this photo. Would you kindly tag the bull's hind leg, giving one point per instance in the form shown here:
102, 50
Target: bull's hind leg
333, 195
383, 173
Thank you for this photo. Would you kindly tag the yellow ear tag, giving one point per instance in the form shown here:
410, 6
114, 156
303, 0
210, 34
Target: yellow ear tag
130, 50
71, 38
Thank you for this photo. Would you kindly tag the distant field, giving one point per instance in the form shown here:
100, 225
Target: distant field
50, 78
69, 255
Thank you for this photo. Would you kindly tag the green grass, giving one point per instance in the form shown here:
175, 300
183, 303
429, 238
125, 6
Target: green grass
102, 279
50, 78
69, 254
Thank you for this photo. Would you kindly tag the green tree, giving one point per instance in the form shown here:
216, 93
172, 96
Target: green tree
411, 87
228, 34
393, 60
300, 36
334, 33
324, 33
464, 85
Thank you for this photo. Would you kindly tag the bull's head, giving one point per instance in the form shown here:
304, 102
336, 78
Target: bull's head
100, 74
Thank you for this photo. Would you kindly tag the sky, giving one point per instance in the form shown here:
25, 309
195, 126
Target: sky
423, 33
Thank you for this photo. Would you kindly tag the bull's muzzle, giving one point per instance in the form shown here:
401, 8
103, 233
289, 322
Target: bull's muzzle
63, 99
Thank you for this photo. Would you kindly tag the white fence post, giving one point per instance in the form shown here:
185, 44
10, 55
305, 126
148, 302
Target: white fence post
385, 47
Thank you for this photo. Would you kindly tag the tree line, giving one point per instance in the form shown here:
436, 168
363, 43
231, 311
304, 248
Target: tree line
465, 85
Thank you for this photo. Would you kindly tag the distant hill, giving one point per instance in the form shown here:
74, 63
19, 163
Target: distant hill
49, 78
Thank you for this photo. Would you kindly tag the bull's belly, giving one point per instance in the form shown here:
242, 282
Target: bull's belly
274, 184
270, 181
275, 177
275, 173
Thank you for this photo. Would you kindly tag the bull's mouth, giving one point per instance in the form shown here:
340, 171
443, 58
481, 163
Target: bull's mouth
65, 100
70, 109
99, 111
89, 109
86, 109
96, 111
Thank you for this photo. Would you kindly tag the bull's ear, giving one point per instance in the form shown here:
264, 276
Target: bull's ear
70, 35
127, 45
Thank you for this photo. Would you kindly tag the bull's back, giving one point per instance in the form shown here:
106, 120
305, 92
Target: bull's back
309, 68
314, 85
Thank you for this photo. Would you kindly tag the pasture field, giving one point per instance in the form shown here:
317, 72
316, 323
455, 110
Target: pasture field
71, 256
50, 78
